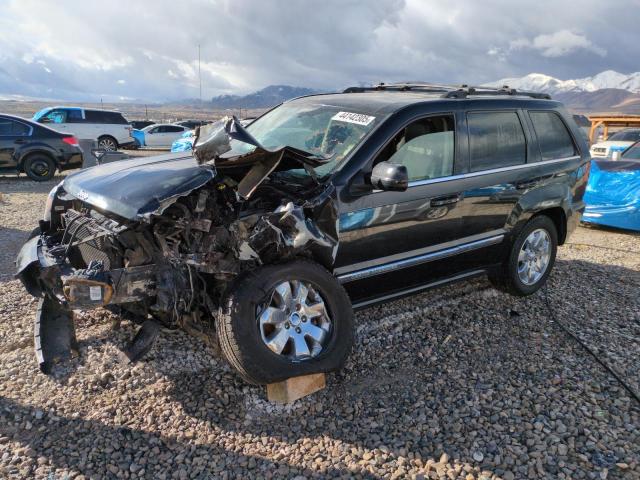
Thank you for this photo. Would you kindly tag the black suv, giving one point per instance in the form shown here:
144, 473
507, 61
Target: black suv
36, 150
263, 239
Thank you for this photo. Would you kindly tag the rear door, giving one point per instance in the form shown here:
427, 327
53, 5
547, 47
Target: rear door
13, 135
498, 150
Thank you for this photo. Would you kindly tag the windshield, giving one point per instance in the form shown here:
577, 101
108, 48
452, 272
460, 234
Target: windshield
323, 130
626, 136
632, 153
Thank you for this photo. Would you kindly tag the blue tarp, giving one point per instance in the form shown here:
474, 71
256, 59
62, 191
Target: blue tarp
613, 194
138, 136
184, 143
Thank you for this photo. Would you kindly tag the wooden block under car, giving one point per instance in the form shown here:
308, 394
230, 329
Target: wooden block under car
295, 388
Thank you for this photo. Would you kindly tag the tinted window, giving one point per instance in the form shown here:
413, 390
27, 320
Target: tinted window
426, 147
74, 115
553, 137
496, 140
626, 136
101, 116
13, 128
171, 129
632, 153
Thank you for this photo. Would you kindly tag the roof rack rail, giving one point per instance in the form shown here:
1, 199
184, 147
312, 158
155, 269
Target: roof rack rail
402, 87
449, 91
467, 91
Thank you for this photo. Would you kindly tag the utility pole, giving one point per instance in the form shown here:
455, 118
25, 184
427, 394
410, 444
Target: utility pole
199, 74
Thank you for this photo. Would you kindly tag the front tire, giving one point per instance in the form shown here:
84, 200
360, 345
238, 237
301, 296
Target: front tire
40, 167
530, 260
286, 320
108, 143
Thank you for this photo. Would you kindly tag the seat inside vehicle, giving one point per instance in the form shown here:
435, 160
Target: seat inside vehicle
425, 147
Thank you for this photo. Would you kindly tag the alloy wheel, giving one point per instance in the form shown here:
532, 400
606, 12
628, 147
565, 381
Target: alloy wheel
295, 323
534, 257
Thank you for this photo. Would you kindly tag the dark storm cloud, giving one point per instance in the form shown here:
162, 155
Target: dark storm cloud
77, 49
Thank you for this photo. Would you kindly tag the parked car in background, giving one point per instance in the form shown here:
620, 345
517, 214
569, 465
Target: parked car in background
109, 128
613, 191
159, 135
191, 124
265, 238
36, 150
140, 124
618, 141
185, 142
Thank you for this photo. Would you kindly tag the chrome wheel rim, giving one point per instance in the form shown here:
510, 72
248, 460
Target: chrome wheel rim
107, 144
295, 323
534, 256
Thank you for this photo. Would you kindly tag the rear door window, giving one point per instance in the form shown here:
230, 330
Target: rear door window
74, 115
496, 139
553, 137
11, 128
172, 129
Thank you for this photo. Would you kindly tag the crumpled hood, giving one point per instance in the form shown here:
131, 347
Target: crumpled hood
138, 187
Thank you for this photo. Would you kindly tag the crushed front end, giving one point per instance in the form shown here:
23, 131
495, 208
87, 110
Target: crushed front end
162, 253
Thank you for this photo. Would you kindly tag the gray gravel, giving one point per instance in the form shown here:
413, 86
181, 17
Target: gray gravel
458, 383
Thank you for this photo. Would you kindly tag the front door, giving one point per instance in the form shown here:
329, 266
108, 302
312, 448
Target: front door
390, 240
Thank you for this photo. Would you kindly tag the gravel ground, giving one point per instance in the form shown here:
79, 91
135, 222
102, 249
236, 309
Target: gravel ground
461, 382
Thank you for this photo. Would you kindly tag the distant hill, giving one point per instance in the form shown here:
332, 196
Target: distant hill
608, 91
265, 98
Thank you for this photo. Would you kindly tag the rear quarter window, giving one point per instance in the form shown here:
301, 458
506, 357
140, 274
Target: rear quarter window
496, 139
553, 137
100, 116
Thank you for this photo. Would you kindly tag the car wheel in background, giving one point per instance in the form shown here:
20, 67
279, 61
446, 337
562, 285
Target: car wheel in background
286, 320
530, 260
108, 143
39, 167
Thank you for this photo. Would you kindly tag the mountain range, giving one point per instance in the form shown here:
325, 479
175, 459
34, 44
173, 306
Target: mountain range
608, 91
265, 98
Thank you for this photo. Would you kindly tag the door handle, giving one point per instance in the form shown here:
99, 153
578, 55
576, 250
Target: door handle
20, 140
446, 200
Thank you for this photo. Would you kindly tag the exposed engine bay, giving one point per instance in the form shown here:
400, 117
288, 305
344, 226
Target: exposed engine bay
170, 265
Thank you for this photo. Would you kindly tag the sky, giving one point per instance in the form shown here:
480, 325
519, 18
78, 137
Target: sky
148, 50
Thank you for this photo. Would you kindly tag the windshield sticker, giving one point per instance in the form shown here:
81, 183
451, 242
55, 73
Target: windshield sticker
356, 118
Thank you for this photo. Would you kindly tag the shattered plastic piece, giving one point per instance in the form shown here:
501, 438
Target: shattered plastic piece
54, 334
143, 341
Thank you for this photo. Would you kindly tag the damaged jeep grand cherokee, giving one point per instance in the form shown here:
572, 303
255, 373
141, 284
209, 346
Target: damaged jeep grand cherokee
265, 238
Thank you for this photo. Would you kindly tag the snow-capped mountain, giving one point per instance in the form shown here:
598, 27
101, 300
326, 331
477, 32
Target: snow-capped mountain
539, 82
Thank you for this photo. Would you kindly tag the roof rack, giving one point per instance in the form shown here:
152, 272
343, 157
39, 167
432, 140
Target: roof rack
449, 91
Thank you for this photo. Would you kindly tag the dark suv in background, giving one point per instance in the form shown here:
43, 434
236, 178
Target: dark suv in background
265, 237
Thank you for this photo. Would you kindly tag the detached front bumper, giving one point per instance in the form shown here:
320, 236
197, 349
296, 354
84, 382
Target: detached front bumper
45, 272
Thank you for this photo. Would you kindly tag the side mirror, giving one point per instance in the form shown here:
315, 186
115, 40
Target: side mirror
390, 176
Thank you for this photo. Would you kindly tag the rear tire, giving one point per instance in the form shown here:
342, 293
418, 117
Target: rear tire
529, 263
39, 167
240, 326
108, 143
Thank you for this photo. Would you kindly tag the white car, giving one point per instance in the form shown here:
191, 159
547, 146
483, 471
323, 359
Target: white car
619, 141
162, 135
109, 128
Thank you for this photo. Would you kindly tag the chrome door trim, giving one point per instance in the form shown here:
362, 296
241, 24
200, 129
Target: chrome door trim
419, 288
419, 259
418, 183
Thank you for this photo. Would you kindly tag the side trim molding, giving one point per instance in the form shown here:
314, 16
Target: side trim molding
417, 289
419, 259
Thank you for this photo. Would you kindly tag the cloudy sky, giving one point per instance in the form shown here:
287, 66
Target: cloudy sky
148, 50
